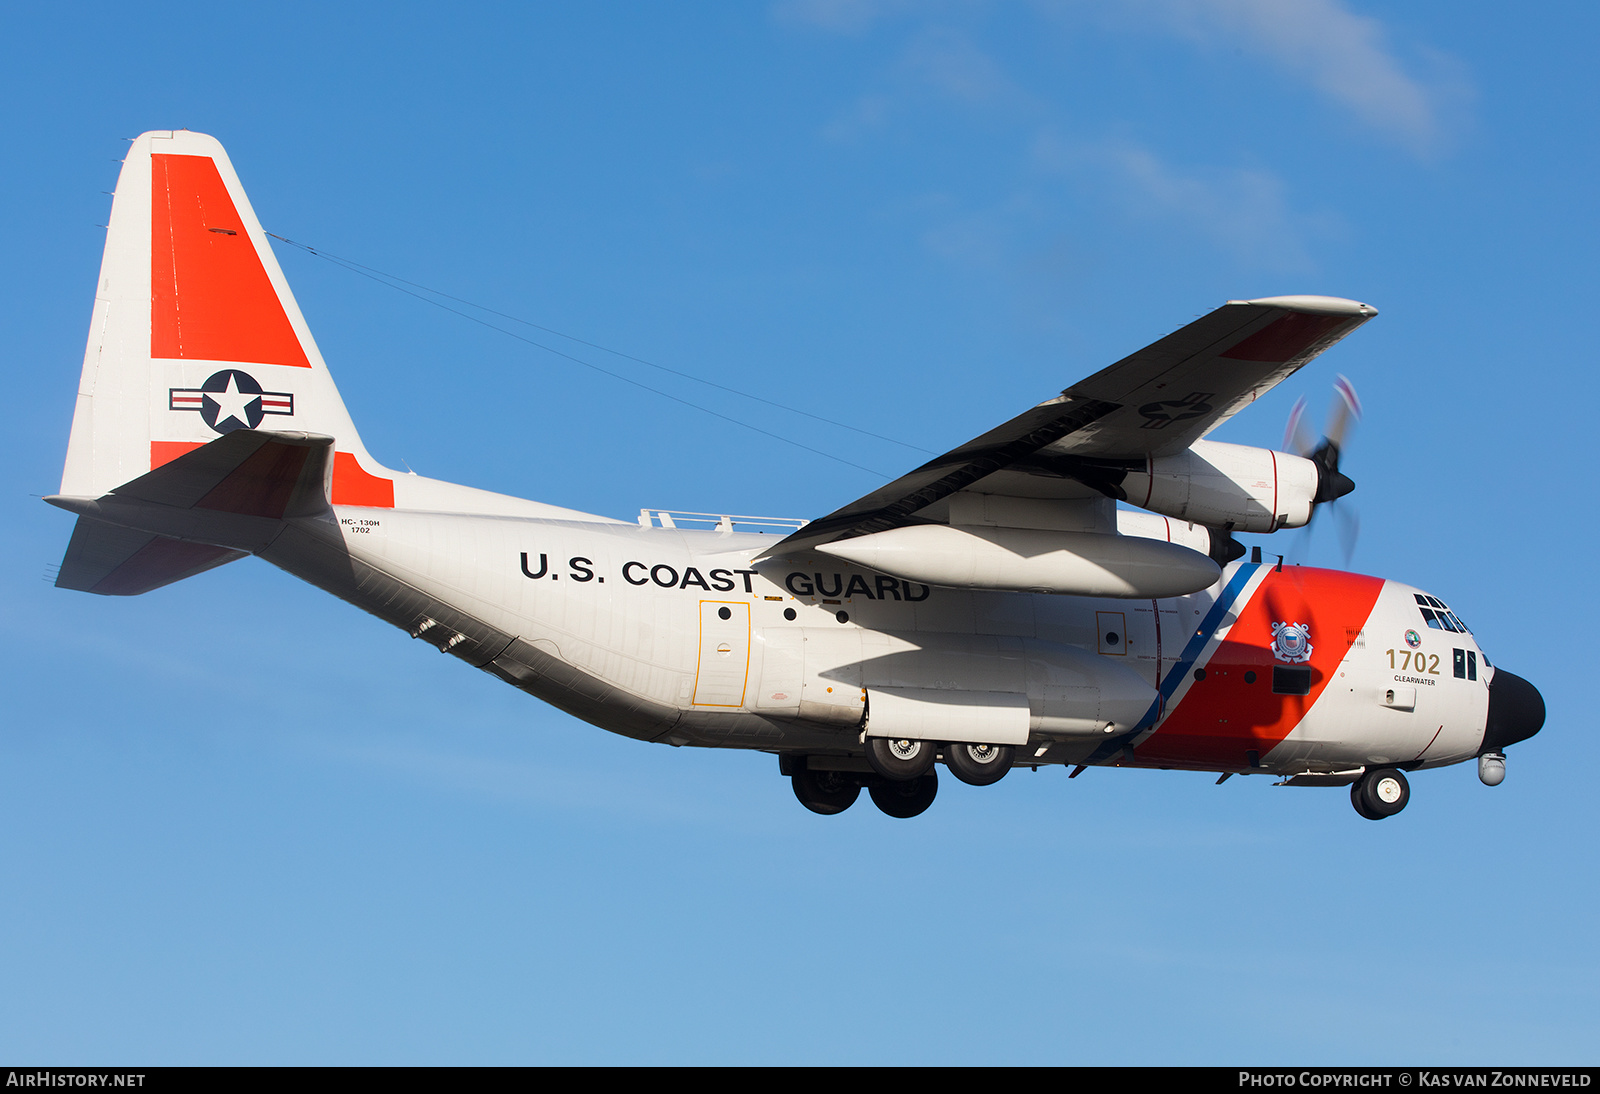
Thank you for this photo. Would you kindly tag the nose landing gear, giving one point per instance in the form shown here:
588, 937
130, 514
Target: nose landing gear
1380, 793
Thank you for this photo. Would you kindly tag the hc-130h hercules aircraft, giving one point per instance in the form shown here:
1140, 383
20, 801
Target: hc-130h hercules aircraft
990, 609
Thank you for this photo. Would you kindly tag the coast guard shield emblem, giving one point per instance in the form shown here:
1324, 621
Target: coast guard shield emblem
1291, 642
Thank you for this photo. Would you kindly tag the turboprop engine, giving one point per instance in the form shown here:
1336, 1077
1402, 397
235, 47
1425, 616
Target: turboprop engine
1031, 560
1231, 485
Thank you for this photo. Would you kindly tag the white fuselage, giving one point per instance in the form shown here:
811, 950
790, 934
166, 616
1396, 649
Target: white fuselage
679, 636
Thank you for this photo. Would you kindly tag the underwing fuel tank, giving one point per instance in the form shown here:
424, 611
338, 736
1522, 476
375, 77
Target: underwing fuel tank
1031, 560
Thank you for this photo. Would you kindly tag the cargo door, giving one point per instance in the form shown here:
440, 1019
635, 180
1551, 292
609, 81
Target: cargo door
724, 667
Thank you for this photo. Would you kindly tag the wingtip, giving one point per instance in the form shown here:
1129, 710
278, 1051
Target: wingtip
1315, 305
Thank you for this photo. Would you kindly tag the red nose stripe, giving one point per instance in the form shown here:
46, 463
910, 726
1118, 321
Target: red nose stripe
1223, 718
210, 298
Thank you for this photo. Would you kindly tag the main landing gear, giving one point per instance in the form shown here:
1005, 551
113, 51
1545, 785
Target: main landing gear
904, 798
830, 792
1381, 792
900, 760
978, 765
826, 792
902, 781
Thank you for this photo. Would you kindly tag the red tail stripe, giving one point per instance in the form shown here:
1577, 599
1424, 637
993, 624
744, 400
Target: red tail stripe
162, 452
351, 485
210, 297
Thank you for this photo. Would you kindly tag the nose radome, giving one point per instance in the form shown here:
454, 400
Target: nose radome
1516, 711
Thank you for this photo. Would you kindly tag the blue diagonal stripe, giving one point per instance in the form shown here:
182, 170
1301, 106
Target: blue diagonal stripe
1197, 642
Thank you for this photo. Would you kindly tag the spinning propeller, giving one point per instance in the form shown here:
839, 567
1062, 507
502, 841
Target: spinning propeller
1331, 483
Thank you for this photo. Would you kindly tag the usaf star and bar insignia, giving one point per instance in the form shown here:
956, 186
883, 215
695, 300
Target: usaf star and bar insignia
230, 400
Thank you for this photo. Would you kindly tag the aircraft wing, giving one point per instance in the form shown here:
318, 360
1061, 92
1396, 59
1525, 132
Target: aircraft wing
1155, 402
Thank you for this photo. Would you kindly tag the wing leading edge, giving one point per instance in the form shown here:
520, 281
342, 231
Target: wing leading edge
1155, 402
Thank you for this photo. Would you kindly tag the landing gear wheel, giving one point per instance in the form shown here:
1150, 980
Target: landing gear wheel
1380, 793
1361, 806
904, 798
825, 792
900, 759
978, 765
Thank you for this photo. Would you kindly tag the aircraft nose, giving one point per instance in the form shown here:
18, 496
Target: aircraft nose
1516, 711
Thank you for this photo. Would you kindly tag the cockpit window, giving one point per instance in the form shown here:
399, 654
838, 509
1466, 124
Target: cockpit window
1436, 614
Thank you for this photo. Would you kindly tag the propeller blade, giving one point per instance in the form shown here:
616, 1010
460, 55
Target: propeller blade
1345, 412
1349, 525
1342, 418
1299, 548
1296, 437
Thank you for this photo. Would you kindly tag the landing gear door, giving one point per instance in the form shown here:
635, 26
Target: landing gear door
723, 673
979, 717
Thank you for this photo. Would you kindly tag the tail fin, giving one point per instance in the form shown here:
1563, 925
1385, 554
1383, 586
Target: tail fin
195, 332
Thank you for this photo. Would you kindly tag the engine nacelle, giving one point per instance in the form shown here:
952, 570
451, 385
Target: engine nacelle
1251, 489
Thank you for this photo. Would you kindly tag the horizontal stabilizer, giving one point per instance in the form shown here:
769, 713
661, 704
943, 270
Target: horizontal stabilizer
251, 472
205, 508
103, 558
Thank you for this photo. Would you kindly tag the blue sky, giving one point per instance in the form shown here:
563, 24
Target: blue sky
247, 823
